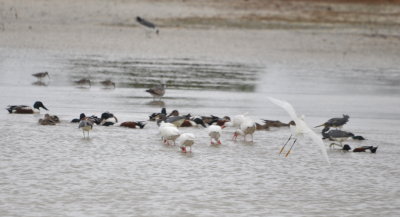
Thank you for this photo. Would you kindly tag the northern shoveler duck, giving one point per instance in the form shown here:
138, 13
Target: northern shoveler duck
83, 82
23, 109
108, 119
41, 75
157, 92
158, 116
186, 140
108, 84
372, 149
49, 120
336, 122
193, 122
133, 124
269, 123
86, 125
93, 119
247, 127
214, 131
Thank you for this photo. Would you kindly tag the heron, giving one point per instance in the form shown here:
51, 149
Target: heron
336, 122
300, 130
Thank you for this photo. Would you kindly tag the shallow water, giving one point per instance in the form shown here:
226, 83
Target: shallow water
53, 171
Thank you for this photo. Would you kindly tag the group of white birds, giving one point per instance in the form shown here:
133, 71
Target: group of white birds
245, 127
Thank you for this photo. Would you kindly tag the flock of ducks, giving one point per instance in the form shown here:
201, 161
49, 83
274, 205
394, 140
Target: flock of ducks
169, 124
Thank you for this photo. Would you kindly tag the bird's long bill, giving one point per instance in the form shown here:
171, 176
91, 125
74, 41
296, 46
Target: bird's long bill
319, 126
44, 107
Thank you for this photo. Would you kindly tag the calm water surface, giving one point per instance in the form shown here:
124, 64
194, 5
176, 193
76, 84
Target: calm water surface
53, 171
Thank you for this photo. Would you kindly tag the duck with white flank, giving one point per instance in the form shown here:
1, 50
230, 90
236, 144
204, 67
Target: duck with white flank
372, 149
157, 116
133, 124
336, 122
186, 140
23, 109
300, 130
214, 131
247, 127
157, 92
168, 132
86, 125
108, 119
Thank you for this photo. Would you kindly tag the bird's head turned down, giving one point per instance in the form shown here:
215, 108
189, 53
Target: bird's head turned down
38, 105
346, 147
346, 116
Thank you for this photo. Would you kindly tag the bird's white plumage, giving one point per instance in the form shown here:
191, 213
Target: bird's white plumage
169, 131
186, 139
301, 128
214, 131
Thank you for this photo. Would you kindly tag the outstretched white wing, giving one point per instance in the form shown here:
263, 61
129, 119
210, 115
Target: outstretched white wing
317, 140
286, 106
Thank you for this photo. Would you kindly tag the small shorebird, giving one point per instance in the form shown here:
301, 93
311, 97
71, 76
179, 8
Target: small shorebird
83, 82
86, 125
108, 84
23, 109
157, 92
41, 75
300, 130
186, 140
336, 122
147, 24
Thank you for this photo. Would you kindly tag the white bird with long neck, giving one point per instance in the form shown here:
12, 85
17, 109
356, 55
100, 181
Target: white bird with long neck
214, 131
247, 127
186, 140
300, 130
168, 132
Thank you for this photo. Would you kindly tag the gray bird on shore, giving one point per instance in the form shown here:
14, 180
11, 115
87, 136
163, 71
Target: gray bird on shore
335, 122
84, 81
157, 91
108, 84
147, 24
338, 136
41, 75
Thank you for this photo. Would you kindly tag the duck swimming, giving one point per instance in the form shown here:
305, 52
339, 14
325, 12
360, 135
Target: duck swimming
24, 109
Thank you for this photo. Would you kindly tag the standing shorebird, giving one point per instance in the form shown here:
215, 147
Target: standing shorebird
41, 75
86, 125
23, 109
157, 91
108, 84
300, 130
336, 122
83, 82
148, 25
338, 136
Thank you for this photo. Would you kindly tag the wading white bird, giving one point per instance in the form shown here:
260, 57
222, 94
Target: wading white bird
168, 132
86, 125
214, 131
300, 130
247, 127
186, 140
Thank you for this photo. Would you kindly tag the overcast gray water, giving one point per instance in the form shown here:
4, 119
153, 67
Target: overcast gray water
53, 171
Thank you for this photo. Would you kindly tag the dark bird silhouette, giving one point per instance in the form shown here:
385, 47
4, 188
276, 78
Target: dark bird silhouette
157, 116
336, 122
41, 75
338, 136
372, 149
108, 84
147, 24
133, 124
